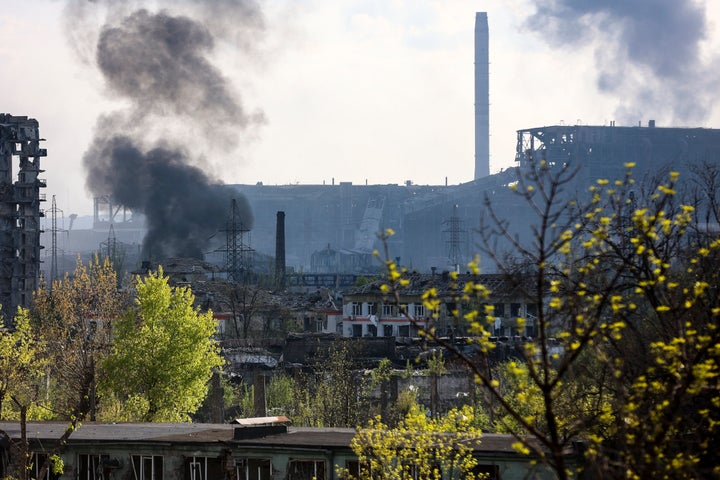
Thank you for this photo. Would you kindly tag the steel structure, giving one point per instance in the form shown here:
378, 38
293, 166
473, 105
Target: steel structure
106, 213
454, 253
238, 254
54, 212
603, 151
20, 211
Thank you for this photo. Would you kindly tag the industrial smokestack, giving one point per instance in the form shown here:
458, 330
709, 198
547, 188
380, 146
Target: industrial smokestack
280, 251
482, 97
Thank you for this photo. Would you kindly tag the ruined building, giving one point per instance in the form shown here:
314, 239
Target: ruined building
20, 210
331, 228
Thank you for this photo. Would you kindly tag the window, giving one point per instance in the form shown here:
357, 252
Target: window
404, 331
203, 468
491, 472
306, 470
253, 469
419, 311
357, 330
353, 469
387, 310
388, 330
147, 467
90, 467
96, 467
515, 310
414, 470
372, 330
356, 308
499, 310
372, 308
38, 460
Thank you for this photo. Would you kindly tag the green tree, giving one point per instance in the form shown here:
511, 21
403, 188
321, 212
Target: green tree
74, 317
333, 394
418, 447
22, 363
163, 354
626, 353
22, 368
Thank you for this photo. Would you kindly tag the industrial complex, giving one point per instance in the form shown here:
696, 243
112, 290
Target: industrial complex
332, 228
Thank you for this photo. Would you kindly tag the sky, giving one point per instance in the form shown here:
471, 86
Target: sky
374, 91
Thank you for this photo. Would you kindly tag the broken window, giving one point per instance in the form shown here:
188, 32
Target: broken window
306, 470
203, 468
37, 460
253, 469
147, 467
89, 467
96, 467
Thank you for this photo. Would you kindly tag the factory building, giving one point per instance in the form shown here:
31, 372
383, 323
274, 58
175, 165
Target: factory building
438, 226
602, 151
332, 229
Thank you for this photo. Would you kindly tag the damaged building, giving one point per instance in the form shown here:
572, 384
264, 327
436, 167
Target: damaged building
370, 312
333, 227
20, 211
256, 448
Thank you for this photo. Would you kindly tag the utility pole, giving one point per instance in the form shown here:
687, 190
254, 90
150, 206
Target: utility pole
238, 255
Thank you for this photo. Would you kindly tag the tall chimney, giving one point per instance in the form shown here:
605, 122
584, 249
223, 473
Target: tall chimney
280, 251
482, 97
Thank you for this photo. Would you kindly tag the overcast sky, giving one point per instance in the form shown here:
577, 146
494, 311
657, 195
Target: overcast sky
380, 91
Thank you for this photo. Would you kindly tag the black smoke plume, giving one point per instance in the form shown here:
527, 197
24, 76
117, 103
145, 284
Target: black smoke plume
149, 157
647, 52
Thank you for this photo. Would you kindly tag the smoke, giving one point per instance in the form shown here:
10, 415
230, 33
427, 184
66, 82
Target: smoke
648, 53
150, 155
176, 197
